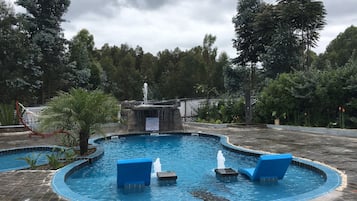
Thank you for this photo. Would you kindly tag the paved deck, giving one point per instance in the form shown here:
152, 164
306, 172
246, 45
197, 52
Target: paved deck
336, 151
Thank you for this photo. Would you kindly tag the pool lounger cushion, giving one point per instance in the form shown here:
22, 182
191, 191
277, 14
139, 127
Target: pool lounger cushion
133, 171
273, 166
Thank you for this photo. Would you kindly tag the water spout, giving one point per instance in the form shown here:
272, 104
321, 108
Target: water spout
157, 166
220, 160
145, 93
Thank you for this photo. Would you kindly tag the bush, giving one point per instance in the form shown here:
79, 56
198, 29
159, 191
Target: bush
53, 161
312, 98
7, 114
31, 160
225, 111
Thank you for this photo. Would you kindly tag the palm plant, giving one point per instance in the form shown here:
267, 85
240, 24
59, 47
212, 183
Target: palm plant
80, 112
31, 160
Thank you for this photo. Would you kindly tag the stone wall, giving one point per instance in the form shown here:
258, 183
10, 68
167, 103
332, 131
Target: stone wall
169, 118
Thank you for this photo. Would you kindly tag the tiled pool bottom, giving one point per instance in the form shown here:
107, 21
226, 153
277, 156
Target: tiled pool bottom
14, 159
332, 178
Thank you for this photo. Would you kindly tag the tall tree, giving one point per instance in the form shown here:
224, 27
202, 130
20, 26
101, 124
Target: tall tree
218, 74
214, 68
234, 79
307, 17
119, 63
279, 41
248, 39
43, 24
86, 72
209, 52
340, 49
282, 53
19, 76
249, 46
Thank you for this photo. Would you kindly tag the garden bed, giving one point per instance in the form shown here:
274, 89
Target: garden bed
64, 163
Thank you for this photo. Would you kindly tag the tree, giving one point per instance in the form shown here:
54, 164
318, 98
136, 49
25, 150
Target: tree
166, 67
275, 98
19, 76
128, 77
189, 75
42, 24
85, 72
248, 40
288, 31
213, 67
307, 17
170, 74
351, 89
313, 97
209, 52
282, 52
218, 72
249, 46
234, 79
340, 49
79, 111
119, 65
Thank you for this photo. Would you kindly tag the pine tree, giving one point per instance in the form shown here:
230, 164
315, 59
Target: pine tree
42, 22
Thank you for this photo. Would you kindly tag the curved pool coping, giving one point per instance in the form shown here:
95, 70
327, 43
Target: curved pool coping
333, 177
22, 149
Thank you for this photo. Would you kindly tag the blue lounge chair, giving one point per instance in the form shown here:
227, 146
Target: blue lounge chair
134, 171
269, 167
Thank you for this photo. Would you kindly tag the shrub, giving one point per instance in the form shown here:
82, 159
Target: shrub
31, 160
224, 111
7, 114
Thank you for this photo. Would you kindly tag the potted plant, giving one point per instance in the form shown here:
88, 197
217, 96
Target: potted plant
277, 117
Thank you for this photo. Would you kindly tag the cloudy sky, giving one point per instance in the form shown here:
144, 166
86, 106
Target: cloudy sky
156, 25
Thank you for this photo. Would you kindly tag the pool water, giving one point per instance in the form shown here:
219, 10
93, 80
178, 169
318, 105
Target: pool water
194, 159
14, 160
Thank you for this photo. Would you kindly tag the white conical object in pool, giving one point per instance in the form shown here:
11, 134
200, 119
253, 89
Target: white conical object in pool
157, 166
220, 160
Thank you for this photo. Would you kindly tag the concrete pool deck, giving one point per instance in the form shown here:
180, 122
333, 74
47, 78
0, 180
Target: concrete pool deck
337, 151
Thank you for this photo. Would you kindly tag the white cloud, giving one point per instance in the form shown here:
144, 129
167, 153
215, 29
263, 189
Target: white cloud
181, 24
340, 16
156, 25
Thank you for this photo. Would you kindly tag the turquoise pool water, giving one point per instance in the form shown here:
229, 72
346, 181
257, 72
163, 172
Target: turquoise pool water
193, 158
11, 159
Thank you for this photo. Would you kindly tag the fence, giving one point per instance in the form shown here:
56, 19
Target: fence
188, 107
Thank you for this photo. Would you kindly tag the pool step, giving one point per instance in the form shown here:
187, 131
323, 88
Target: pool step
166, 178
226, 174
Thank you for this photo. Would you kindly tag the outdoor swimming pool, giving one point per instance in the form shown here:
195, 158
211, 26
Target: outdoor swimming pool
193, 158
13, 159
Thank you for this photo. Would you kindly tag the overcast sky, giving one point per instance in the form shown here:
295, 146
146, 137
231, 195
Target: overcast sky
156, 25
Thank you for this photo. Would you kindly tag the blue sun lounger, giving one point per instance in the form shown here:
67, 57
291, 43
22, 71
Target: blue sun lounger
134, 172
269, 167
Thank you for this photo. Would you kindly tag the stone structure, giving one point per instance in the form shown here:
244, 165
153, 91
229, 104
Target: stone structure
166, 178
226, 174
163, 116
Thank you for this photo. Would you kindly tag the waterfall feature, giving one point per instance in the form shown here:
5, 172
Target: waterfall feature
148, 115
